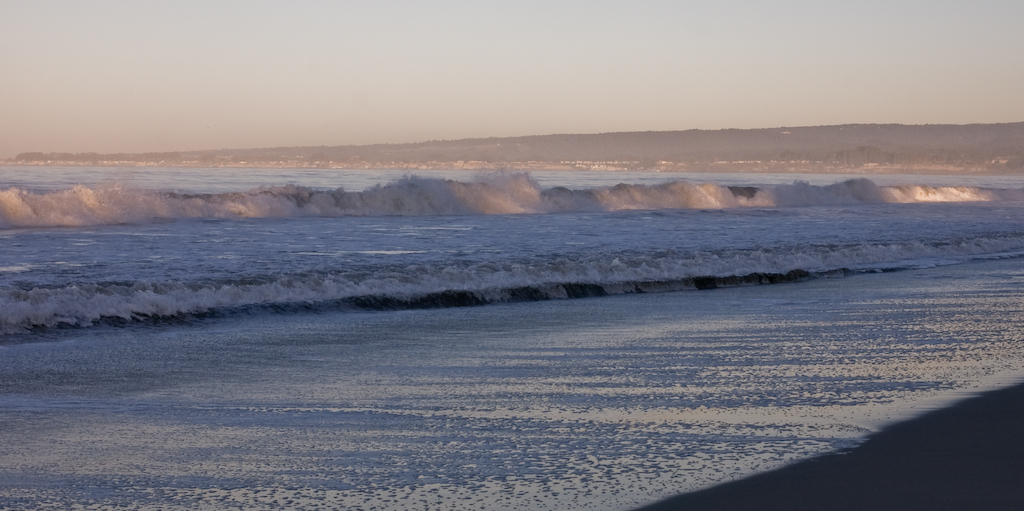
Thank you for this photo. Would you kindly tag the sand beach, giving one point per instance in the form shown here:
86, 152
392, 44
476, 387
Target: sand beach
968, 456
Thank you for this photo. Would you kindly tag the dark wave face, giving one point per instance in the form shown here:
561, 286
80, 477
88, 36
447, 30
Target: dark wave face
443, 283
113, 255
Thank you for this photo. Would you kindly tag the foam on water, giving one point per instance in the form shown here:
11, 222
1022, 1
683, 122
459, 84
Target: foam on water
444, 283
500, 194
243, 379
605, 405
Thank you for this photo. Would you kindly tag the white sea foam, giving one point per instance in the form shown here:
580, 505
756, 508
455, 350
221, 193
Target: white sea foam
84, 304
503, 194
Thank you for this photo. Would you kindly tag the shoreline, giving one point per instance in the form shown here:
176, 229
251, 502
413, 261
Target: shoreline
967, 456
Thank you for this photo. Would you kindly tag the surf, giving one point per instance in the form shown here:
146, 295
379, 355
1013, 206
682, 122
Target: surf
449, 283
511, 194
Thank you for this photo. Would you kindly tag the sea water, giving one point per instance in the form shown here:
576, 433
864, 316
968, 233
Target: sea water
366, 339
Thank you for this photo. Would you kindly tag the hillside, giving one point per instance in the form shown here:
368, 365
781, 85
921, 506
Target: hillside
974, 147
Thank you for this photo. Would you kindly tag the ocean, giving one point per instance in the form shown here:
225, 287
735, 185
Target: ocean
177, 338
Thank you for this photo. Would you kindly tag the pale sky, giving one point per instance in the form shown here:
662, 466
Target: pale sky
133, 76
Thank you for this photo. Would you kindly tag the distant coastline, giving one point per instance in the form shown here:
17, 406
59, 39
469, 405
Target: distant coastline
854, 148
723, 167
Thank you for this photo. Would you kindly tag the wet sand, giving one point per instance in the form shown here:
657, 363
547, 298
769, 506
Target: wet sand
969, 456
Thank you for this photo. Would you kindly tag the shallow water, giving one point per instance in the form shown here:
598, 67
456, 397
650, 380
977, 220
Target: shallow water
239, 363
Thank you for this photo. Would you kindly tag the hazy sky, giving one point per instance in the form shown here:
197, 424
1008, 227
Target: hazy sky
133, 76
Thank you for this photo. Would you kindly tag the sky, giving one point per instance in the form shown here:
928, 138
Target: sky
130, 76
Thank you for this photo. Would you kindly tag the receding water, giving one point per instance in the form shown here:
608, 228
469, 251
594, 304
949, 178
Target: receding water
326, 358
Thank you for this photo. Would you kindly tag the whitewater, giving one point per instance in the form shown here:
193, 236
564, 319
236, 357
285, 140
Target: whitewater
454, 340
413, 196
376, 260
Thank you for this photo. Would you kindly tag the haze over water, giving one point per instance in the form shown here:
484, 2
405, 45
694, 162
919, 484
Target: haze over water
114, 76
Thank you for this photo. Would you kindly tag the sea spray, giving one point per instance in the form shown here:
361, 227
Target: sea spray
414, 196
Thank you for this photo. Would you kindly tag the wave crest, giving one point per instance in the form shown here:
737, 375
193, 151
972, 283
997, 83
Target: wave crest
447, 284
502, 194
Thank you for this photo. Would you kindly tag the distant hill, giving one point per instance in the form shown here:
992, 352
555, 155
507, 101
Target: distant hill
975, 147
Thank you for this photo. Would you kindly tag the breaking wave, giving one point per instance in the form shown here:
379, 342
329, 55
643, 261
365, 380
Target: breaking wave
502, 194
447, 285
